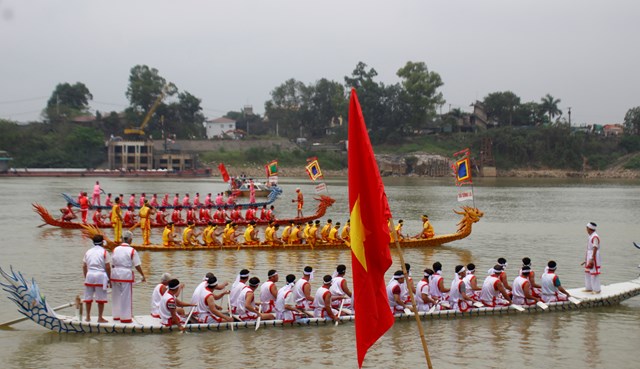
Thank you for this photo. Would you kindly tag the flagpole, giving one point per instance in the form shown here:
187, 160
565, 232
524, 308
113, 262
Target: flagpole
411, 295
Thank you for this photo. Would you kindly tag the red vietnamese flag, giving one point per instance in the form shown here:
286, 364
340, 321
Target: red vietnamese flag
370, 256
223, 171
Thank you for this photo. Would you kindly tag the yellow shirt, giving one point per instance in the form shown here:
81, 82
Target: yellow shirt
116, 214
332, 234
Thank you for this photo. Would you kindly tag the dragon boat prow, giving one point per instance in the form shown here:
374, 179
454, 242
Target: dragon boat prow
33, 305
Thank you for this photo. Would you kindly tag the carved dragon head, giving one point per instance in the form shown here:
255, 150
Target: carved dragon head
325, 201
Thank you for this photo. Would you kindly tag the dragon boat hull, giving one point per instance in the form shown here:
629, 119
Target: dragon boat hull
324, 203
470, 216
32, 304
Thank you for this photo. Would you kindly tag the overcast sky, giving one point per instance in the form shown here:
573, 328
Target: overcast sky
234, 53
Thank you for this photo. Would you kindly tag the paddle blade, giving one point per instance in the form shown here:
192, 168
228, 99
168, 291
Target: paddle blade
517, 307
542, 305
432, 308
574, 300
478, 304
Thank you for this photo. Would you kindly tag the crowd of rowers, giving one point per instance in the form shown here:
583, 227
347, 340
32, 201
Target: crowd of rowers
464, 292
310, 233
294, 300
198, 211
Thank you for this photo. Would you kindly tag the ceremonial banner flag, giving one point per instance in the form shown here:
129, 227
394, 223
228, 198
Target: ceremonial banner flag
463, 170
223, 171
313, 169
370, 255
272, 168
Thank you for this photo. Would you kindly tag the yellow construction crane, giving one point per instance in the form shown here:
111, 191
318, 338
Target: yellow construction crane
140, 130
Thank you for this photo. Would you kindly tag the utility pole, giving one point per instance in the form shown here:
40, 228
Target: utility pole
569, 112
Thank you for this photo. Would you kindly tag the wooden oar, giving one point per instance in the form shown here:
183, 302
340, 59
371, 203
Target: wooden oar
14, 321
230, 311
478, 304
259, 316
187, 320
433, 308
574, 300
340, 312
517, 307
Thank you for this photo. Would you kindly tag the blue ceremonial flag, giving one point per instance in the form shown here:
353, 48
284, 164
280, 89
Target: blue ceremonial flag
463, 170
313, 169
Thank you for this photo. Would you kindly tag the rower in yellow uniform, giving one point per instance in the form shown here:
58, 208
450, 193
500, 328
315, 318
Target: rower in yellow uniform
274, 239
116, 221
399, 230
306, 231
427, 228
324, 233
333, 234
313, 233
190, 236
209, 235
286, 232
294, 236
251, 234
346, 231
168, 235
229, 235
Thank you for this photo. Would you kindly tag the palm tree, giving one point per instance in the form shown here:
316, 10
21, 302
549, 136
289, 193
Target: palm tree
549, 105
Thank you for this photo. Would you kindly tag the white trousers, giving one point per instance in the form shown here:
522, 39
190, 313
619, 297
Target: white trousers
592, 282
122, 301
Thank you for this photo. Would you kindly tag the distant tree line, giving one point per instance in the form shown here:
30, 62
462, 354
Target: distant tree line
395, 113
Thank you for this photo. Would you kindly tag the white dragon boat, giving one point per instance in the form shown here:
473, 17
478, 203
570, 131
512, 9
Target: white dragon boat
33, 305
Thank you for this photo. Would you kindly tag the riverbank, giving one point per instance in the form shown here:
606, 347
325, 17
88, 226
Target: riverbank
512, 173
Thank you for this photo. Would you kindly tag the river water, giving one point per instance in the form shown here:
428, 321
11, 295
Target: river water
540, 218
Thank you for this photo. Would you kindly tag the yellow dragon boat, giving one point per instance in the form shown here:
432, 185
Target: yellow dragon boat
469, 215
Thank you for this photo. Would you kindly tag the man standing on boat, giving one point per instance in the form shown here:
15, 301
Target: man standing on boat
592, 260
84, 207
125, 258
116, 220
146, 212
300, 200
96, 268
95, 198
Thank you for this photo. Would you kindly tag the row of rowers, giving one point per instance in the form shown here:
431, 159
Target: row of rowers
465, 293
292, 301
185, 202
202, 215
312, 233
